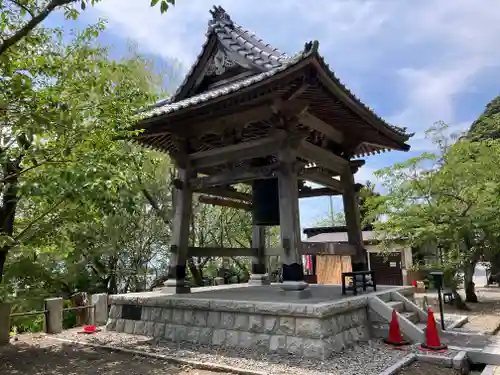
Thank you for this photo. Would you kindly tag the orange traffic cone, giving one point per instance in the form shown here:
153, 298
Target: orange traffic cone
395, 338
432, 341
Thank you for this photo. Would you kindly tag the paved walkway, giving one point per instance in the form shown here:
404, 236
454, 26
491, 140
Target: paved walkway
480, 348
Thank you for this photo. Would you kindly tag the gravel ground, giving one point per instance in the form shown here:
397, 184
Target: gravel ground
370, 358
38, 355
423, 368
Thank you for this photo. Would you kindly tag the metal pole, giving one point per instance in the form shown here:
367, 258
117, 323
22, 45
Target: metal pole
331, 211
440, 299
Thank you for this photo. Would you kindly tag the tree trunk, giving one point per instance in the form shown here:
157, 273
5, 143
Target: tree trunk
8, 210
3, 258
470, 294
196, 273
458, 302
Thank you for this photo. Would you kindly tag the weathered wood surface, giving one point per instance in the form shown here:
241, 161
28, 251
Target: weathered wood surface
352, 215
225, 202
323, 179
329, 268
322, 157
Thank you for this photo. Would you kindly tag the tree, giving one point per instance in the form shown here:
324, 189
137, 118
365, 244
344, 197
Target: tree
21, 17
62, 107
449, 198
487, 125
338, 218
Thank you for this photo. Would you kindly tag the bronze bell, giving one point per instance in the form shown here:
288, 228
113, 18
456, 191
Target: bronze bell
265, 197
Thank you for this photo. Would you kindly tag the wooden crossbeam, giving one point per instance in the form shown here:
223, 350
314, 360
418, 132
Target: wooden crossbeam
319, 192
241, 151
221, 252
323, 179
332, 248
234, 176
225, 202
322, 157
310, 248
226, 193
315, 123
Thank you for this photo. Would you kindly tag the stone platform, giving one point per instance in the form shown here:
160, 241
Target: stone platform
258, 317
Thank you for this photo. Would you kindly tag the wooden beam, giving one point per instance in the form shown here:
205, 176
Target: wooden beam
226, 193
310, 248
317, 193
221, 252
308, 119
225, 202
331, 248
210, 123
238, 175
322, 157
241, 151
323, 179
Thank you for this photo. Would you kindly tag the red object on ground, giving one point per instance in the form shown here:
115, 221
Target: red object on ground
89, 329
432, 341
414, 283
395, 338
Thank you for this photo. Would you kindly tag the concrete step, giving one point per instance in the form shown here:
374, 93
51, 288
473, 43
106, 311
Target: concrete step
411, 316
397, 305
421, 325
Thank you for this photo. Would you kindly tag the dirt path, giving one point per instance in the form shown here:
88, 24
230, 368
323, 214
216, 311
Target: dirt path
484, 316
36, 355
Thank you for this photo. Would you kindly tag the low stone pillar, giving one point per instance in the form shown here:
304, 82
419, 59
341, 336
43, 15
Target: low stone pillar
54, 315
219, 281
4, 323
100, 313
259, 275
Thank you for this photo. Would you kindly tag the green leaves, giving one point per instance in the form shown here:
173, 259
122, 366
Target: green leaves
448, 199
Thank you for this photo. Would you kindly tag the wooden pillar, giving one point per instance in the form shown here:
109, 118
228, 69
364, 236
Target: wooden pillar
183, 201
291, 259
259, 275
353, 220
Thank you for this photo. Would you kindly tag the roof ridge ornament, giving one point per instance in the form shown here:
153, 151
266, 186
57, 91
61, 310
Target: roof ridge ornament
311, 46
219, 14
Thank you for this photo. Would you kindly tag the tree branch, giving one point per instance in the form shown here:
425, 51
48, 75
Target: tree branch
31, 24
38, 218
22, 6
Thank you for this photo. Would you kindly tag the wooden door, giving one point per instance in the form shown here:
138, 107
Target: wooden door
387, 268
329, 268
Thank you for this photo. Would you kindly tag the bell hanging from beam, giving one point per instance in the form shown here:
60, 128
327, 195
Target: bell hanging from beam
265, 197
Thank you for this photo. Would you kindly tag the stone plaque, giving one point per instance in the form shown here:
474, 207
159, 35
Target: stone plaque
131, 312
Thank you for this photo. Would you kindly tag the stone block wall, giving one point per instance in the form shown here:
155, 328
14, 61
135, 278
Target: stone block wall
268, 331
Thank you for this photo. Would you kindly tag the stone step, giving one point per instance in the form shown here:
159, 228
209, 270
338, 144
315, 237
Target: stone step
397, 305
411, 316
422, 326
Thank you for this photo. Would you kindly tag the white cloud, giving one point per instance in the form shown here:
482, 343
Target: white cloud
431, 51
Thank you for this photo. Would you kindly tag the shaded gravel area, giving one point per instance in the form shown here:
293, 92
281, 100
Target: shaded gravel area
370, 358
37, 355
423, 368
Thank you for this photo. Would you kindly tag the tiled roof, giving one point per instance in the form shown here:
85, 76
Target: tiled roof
168, 107
234, 38
269, 60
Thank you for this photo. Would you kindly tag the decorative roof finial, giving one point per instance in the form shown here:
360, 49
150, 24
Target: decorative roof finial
219, 14
311, 46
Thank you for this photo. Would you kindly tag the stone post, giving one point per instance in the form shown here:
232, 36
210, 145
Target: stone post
293, 272
259, 275
4, 323
183, 200
100, 313
54, 315
353, 220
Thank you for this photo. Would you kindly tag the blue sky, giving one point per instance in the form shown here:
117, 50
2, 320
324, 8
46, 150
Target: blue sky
414, 61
